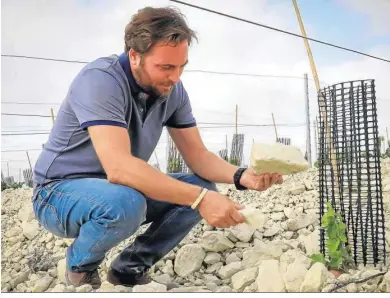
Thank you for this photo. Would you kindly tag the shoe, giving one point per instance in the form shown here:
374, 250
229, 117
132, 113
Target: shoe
141, 278
127, 280
78, 279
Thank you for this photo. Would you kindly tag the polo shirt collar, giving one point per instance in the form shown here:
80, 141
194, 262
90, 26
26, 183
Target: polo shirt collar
125, 63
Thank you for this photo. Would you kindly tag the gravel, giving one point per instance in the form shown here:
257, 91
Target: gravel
272, 256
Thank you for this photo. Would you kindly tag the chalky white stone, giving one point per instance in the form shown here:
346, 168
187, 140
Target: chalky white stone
254, 217
277, 158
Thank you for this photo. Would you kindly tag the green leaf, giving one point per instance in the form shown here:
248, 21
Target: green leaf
318, 258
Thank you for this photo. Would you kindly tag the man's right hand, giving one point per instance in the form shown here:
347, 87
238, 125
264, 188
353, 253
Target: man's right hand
219, 211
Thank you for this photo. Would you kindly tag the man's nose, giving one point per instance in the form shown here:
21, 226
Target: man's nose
175, 75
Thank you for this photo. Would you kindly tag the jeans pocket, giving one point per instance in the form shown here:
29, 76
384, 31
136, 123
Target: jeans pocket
48, 217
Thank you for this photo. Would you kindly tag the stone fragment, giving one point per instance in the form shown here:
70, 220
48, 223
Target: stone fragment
212, 258
189, 259
254, 217
216, 241
269, 278
243, 232
244, 278
315, 278
277, 158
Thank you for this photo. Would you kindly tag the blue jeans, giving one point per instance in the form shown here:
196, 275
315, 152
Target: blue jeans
100, 215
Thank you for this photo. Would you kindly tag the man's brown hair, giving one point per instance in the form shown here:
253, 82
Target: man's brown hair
151, 25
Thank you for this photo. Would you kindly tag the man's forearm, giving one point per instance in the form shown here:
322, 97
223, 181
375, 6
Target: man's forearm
211, 167
137, 174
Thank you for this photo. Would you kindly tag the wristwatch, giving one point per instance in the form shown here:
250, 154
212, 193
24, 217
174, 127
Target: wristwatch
237, 177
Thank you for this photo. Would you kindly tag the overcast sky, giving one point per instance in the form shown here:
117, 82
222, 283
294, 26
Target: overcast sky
85, 30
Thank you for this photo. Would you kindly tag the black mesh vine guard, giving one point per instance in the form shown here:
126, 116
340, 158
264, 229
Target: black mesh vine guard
353, 182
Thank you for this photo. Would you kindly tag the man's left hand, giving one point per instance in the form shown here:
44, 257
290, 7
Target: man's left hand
259, 182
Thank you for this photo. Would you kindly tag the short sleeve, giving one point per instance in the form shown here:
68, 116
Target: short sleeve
182, 117
97, 99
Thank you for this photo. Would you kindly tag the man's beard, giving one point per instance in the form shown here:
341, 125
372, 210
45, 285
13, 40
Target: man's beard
142, 75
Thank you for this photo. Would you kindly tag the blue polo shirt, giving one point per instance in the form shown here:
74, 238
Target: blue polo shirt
105, 93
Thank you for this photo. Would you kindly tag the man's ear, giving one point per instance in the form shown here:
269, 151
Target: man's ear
135, 57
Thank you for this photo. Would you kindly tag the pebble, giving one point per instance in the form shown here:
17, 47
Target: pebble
273, 256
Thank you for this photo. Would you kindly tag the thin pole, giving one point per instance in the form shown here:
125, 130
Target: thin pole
52, 114
387, 136
8, 168
158, 164
320, 95
236, 117
20, 171
308, 138
276, 132
315, 138
29, 162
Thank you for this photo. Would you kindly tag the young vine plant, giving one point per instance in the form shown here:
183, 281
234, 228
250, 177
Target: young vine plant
338, 252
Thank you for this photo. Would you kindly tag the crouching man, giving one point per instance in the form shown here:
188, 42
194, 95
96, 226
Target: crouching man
92, 181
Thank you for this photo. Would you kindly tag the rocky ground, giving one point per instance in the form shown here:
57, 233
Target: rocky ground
241, 259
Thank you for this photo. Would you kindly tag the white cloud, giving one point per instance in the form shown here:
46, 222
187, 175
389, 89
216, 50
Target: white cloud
378, 11
69, 30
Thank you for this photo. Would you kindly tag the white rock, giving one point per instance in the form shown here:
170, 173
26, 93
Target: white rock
224, 289
189, 259
270, 250
212, 258
298, 189
42, 284
315, 278
269, 278
373, 283
233, 257
61, 269
278, 216
30, 229
229, 270
385, 285
59, 288
150, 287
254, 217
351, 288
244, 278
288, 235
189, 290
243, 232
277, 158
251, 258
230, 236
292, 256
257, 235
294, 276
301, 221
308, 184
275, 229
26, 213
84, 288
214, 268
311, 243
21, 277
216, 241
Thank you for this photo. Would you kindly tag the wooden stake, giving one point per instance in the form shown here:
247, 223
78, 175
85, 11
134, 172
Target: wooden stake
158, 164
236, 117
320, 95
29, 162
276, 132
52, 114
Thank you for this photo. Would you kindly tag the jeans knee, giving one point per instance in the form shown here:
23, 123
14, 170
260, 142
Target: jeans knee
128, 209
